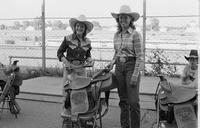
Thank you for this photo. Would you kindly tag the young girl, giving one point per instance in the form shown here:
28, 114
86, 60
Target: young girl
128, 59
75, 50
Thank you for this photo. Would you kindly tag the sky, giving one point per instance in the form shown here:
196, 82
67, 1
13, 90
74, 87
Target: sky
94, 8
73, 8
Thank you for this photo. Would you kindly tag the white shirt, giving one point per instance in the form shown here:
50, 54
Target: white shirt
192, 75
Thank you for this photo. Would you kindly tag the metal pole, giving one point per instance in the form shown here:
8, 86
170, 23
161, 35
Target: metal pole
144, 29
199, 13
43, 37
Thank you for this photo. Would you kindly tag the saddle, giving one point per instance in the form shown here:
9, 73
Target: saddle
177, 103
80, 82
175, 94
80, 88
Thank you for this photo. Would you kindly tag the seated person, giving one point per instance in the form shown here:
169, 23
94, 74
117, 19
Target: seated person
190, 72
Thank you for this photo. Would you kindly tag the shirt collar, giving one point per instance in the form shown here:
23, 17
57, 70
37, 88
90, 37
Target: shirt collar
129, 30
74, 37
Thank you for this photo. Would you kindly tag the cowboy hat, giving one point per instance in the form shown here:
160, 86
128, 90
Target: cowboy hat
82, 19
125, 9
193, 54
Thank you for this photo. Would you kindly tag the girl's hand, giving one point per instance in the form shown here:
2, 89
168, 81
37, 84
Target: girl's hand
65, 62
67, 65
110, 66
89, 60
134, 80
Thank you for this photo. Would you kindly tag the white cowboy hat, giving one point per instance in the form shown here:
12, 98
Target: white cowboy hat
82, 19
125, 9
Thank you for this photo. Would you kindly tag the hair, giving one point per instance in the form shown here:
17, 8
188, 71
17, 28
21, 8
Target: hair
119, 28
84, 33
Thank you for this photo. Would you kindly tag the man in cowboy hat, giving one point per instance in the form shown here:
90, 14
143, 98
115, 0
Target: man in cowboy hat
129, 62
190, 71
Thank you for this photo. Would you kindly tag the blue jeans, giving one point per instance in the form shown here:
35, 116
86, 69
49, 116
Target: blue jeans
128, 94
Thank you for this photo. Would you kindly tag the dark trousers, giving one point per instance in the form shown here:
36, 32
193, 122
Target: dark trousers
128, 94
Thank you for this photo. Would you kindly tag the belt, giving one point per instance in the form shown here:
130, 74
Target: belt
76, 62
126, 59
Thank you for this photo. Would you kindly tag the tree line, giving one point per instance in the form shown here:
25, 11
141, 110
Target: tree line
36, 23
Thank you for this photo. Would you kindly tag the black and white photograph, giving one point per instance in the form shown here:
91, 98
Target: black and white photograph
99, 63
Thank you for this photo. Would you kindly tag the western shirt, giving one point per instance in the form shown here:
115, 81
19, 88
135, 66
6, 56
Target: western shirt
74, 48
129, 44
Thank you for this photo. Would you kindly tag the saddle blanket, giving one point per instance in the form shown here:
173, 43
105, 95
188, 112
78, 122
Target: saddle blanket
185, 116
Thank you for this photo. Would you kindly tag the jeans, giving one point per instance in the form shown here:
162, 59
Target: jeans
128, 95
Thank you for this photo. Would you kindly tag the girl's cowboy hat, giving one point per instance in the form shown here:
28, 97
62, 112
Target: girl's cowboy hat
193, 54
82, 19
125, 9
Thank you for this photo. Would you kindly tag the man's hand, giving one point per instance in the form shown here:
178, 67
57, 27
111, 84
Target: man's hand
186, 80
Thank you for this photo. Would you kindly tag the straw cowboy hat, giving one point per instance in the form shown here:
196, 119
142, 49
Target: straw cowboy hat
82, 19
193, 54
125, 9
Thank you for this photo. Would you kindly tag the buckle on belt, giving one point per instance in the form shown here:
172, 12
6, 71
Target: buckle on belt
76, 62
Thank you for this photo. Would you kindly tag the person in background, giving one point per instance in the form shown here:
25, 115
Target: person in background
190, 72
75, 50
128, 59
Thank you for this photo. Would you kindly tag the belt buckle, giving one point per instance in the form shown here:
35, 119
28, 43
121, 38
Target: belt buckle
76, 62
122, 59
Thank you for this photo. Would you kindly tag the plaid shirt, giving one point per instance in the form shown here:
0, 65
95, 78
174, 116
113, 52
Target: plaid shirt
129, 44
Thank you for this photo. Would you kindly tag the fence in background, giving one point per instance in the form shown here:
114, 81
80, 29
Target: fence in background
99, 56
25, 35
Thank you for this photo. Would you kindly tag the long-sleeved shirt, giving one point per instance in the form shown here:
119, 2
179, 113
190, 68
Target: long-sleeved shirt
129, 44
74, 48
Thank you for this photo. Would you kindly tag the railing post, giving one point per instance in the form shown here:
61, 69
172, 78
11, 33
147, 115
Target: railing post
144, 31
10, 60
43, 37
